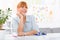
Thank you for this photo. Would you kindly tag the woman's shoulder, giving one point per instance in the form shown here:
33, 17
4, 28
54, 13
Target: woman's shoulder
30, 16
14, 17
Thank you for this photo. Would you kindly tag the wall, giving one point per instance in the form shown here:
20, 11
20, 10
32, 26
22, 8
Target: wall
46, 11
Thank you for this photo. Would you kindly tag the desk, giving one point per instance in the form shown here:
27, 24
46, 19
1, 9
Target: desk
50, 36
2, 33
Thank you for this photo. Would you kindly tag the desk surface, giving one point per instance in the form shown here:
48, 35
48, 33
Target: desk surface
50, 36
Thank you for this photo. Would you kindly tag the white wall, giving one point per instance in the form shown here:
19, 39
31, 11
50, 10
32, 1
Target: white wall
44, 19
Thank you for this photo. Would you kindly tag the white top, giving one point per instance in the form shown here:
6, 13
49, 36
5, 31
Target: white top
29, 25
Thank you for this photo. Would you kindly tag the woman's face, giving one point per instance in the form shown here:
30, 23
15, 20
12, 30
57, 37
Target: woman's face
22, 10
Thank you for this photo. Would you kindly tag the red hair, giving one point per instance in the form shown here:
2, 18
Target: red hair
22, 4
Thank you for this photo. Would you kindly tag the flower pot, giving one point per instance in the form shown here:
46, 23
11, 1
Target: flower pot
0, 26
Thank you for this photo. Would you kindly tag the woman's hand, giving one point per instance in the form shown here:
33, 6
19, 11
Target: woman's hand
20, 15
21, 34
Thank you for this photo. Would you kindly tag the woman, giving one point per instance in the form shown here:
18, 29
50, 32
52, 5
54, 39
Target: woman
22, 24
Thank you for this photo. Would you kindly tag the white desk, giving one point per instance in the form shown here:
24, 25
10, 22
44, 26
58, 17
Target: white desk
2, 34
49, 36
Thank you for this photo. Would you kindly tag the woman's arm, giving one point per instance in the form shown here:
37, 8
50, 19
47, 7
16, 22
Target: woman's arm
20, 30
20, 26
30, 33
27, 33
35, 28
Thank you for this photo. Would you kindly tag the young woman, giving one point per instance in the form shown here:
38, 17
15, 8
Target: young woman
24, 24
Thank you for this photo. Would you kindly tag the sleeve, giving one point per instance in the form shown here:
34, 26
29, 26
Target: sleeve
34, 25
14, 25
11, 25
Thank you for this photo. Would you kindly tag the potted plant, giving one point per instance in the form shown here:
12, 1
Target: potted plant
4, 16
